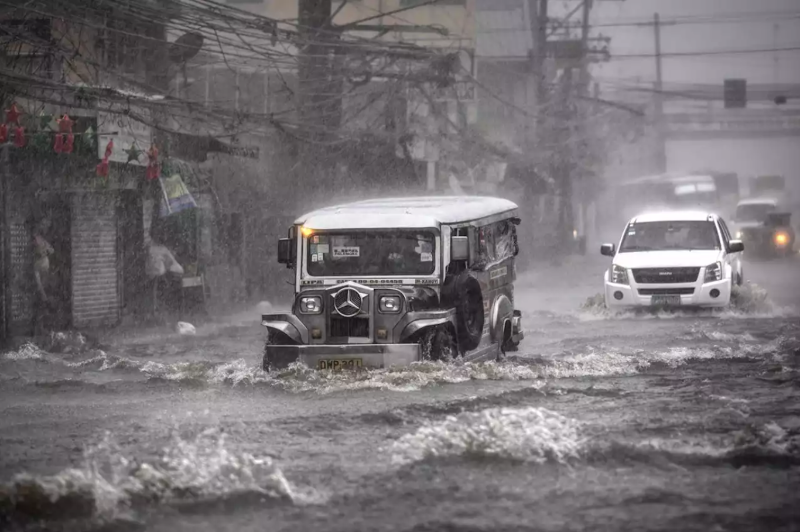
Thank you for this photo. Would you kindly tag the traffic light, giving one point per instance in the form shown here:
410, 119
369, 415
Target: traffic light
735, 93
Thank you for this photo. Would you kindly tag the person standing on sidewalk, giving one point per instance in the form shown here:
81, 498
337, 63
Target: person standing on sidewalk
42, 250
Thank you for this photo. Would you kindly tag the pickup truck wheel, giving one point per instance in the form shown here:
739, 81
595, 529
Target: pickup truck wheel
437, 344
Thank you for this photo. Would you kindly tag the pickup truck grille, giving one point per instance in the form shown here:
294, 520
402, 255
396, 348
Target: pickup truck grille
665, 275
349, 327
666, 291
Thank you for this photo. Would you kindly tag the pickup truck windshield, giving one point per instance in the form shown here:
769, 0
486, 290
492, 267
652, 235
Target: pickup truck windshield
660, 236
754, 212
371, 253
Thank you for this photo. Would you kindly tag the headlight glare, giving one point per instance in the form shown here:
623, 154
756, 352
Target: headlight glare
389, 304
713, 272
619, 275
310, 305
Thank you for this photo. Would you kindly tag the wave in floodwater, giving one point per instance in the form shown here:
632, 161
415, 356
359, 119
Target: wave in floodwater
539, 435
111, 484
594, 361
747, 301
528, 434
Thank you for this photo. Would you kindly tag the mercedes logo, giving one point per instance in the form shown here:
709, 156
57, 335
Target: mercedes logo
347, 302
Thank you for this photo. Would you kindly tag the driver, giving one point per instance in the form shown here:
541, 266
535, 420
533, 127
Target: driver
701, 237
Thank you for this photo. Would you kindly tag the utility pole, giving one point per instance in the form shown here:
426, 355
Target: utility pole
661, 155
314, 66
587, 7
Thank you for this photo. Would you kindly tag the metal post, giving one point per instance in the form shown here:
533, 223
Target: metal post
431, 175
661, 155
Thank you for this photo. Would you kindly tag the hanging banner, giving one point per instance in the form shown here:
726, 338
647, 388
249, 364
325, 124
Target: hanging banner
176, 195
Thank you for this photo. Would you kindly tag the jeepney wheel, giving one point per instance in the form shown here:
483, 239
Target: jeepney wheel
437, 344
274, 338
464, 294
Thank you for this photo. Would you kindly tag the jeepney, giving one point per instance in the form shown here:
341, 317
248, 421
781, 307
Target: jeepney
387, 282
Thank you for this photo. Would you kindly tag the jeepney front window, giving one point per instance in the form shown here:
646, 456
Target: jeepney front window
371, 253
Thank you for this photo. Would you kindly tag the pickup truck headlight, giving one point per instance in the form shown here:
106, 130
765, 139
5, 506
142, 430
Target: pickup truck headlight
389, 304
619, 275
713, 272
310, 305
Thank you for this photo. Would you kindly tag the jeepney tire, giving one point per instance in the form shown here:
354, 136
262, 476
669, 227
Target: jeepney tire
438, 344
464, 294
274, 338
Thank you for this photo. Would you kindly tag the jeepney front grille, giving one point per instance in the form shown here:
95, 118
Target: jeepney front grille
349, 327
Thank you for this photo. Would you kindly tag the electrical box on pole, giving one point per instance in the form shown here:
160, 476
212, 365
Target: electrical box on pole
735, 93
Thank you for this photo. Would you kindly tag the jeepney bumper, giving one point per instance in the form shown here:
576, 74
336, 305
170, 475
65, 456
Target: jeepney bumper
336, 356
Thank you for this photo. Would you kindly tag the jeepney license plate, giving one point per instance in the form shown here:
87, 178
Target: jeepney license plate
665, 300
340, 363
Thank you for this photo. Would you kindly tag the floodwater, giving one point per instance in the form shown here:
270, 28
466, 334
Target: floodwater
680, 421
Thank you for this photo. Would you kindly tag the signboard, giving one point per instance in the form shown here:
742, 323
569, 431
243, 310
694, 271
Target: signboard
126, 133
460, 91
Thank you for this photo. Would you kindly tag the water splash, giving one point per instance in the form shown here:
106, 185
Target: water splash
28, 351
747, 301
528, 434
109, 483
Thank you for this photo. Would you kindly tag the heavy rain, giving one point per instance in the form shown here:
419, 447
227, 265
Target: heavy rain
399, 265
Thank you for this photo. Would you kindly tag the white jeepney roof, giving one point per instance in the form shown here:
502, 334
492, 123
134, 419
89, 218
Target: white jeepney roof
409, 212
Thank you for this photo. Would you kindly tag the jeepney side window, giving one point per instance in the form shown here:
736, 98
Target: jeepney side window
486, 245
505, 240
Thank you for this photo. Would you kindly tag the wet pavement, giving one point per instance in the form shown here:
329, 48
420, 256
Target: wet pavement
602, 421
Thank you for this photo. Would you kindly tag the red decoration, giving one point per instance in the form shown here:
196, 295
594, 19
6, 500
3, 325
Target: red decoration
3, 133
153, 168
13, 114
102, 168
19, 137
64, 138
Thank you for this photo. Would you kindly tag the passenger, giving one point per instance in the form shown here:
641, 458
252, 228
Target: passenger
160, 262
42, 276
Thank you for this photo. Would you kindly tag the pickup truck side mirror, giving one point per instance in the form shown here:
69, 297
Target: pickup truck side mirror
285, 251
736, 246
609, 250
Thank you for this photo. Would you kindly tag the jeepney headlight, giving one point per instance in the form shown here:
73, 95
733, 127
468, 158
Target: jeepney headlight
310, 305
713, 272
389, 304
619, 275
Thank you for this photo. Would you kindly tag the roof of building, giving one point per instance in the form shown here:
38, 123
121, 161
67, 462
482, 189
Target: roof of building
409, 212
673, 216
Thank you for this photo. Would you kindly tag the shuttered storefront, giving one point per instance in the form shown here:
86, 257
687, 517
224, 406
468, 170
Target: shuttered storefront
20, 283
95, 281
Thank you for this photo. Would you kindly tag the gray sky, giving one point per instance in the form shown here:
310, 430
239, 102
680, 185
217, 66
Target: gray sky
755, 29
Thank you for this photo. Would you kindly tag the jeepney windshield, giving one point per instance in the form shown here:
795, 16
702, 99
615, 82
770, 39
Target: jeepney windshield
402, 252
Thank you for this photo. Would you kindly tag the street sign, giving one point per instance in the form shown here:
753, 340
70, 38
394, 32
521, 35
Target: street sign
735, 93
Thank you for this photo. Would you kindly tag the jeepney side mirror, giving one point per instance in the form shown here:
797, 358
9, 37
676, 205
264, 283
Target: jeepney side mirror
285, 251
609, 250
459, 248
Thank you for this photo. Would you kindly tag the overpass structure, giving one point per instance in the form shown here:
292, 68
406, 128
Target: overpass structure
698, 112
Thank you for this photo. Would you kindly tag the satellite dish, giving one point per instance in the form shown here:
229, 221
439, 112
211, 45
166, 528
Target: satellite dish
185, 47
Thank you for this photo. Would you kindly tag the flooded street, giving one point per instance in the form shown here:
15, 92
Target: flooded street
680, 421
